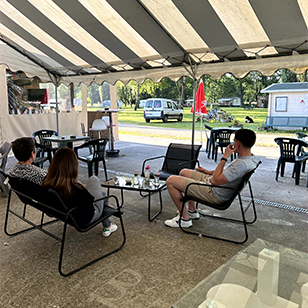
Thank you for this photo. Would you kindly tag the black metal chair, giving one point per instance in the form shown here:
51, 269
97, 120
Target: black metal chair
221, 138
224, 206
4, 151
178, 157
47, 146
83, 130
290, 152
96, 154
51, 204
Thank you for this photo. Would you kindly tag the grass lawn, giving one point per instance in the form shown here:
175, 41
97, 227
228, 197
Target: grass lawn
130, 116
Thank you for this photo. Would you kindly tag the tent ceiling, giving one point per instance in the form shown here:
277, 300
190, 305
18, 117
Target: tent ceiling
86, 40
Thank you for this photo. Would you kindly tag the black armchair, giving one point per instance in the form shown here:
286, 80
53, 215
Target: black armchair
178, 157
290, 152
49, 203
224, 206
96, 154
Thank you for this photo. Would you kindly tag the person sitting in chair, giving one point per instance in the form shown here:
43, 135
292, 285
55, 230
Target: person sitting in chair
25, 152
226, 177
63, 177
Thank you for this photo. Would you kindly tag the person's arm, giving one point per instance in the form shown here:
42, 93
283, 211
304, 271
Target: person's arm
218, 177
201, 169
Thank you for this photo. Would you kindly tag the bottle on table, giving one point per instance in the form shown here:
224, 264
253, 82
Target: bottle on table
147, 173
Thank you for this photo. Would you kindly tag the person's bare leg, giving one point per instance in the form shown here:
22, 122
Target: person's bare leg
175, 188
187, 173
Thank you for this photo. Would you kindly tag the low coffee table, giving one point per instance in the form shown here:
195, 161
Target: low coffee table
248, 280
148, 188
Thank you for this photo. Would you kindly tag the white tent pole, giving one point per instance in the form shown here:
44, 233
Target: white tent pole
57, 108
194, 114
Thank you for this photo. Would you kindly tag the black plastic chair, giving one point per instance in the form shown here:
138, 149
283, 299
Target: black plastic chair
224, 206
178, 157
290, 152
96, 154
303, 136
207, 130
51, 204
222, 138
47, 146
40, 158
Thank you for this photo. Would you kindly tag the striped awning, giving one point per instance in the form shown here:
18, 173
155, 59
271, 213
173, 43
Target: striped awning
110, 40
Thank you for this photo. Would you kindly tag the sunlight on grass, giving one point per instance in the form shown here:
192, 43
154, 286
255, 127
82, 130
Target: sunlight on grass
129, 115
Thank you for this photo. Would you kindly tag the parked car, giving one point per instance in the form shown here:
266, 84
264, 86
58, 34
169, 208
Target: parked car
161, 109
188, 103
142, 103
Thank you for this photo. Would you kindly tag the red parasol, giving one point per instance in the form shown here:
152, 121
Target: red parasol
200, 101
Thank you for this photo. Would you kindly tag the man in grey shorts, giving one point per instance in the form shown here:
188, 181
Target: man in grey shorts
229, 177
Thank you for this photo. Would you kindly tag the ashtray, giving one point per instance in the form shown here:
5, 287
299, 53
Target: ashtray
106, 108
72, 137
128, 182
62, 137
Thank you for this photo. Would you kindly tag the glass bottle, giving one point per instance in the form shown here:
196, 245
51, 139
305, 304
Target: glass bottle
136, 178
147, 173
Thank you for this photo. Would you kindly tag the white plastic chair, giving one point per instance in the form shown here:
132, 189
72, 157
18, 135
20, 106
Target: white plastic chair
97, 126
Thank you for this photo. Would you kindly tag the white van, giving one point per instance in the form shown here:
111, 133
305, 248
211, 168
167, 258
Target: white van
161, 109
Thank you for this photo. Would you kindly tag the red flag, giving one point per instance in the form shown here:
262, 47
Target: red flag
200, 101
46, 97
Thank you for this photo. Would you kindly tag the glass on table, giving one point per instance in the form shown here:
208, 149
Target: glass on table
156, 177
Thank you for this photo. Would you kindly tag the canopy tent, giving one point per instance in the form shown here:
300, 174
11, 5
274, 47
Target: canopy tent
89, 40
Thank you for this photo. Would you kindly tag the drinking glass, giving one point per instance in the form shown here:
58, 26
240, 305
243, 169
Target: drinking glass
156, 178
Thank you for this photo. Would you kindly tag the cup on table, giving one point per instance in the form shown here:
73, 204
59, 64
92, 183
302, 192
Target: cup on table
156, 178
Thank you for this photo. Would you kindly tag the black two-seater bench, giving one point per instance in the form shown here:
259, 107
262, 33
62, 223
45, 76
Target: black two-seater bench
286, 122
53, 210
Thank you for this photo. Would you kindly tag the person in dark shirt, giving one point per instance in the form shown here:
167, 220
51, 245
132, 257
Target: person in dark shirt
62, 176
25, 152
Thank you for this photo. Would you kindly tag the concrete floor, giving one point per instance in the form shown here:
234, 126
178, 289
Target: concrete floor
157, 265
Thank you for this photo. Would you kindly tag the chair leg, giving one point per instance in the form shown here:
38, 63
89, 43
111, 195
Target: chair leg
207, 146
216, 150
277, 171
105, 169
297, 168
90, 169
96, 168
283, 165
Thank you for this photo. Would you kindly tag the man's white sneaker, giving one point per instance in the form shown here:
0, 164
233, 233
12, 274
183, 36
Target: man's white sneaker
193, 214
107, 231
174, 222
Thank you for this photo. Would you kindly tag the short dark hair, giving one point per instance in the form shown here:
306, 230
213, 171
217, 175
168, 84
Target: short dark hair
246, 136
23, 147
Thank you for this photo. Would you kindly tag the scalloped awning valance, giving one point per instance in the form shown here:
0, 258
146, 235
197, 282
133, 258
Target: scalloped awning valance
111, 40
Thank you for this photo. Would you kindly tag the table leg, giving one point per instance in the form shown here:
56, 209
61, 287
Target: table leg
149, 207
112, 151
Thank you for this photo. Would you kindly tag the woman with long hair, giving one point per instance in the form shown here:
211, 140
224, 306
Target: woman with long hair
62, 176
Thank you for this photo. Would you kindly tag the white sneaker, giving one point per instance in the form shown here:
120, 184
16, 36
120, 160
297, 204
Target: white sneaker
193, 214
107, 231
174, 222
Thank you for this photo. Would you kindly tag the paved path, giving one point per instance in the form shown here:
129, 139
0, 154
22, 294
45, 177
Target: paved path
153, 133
